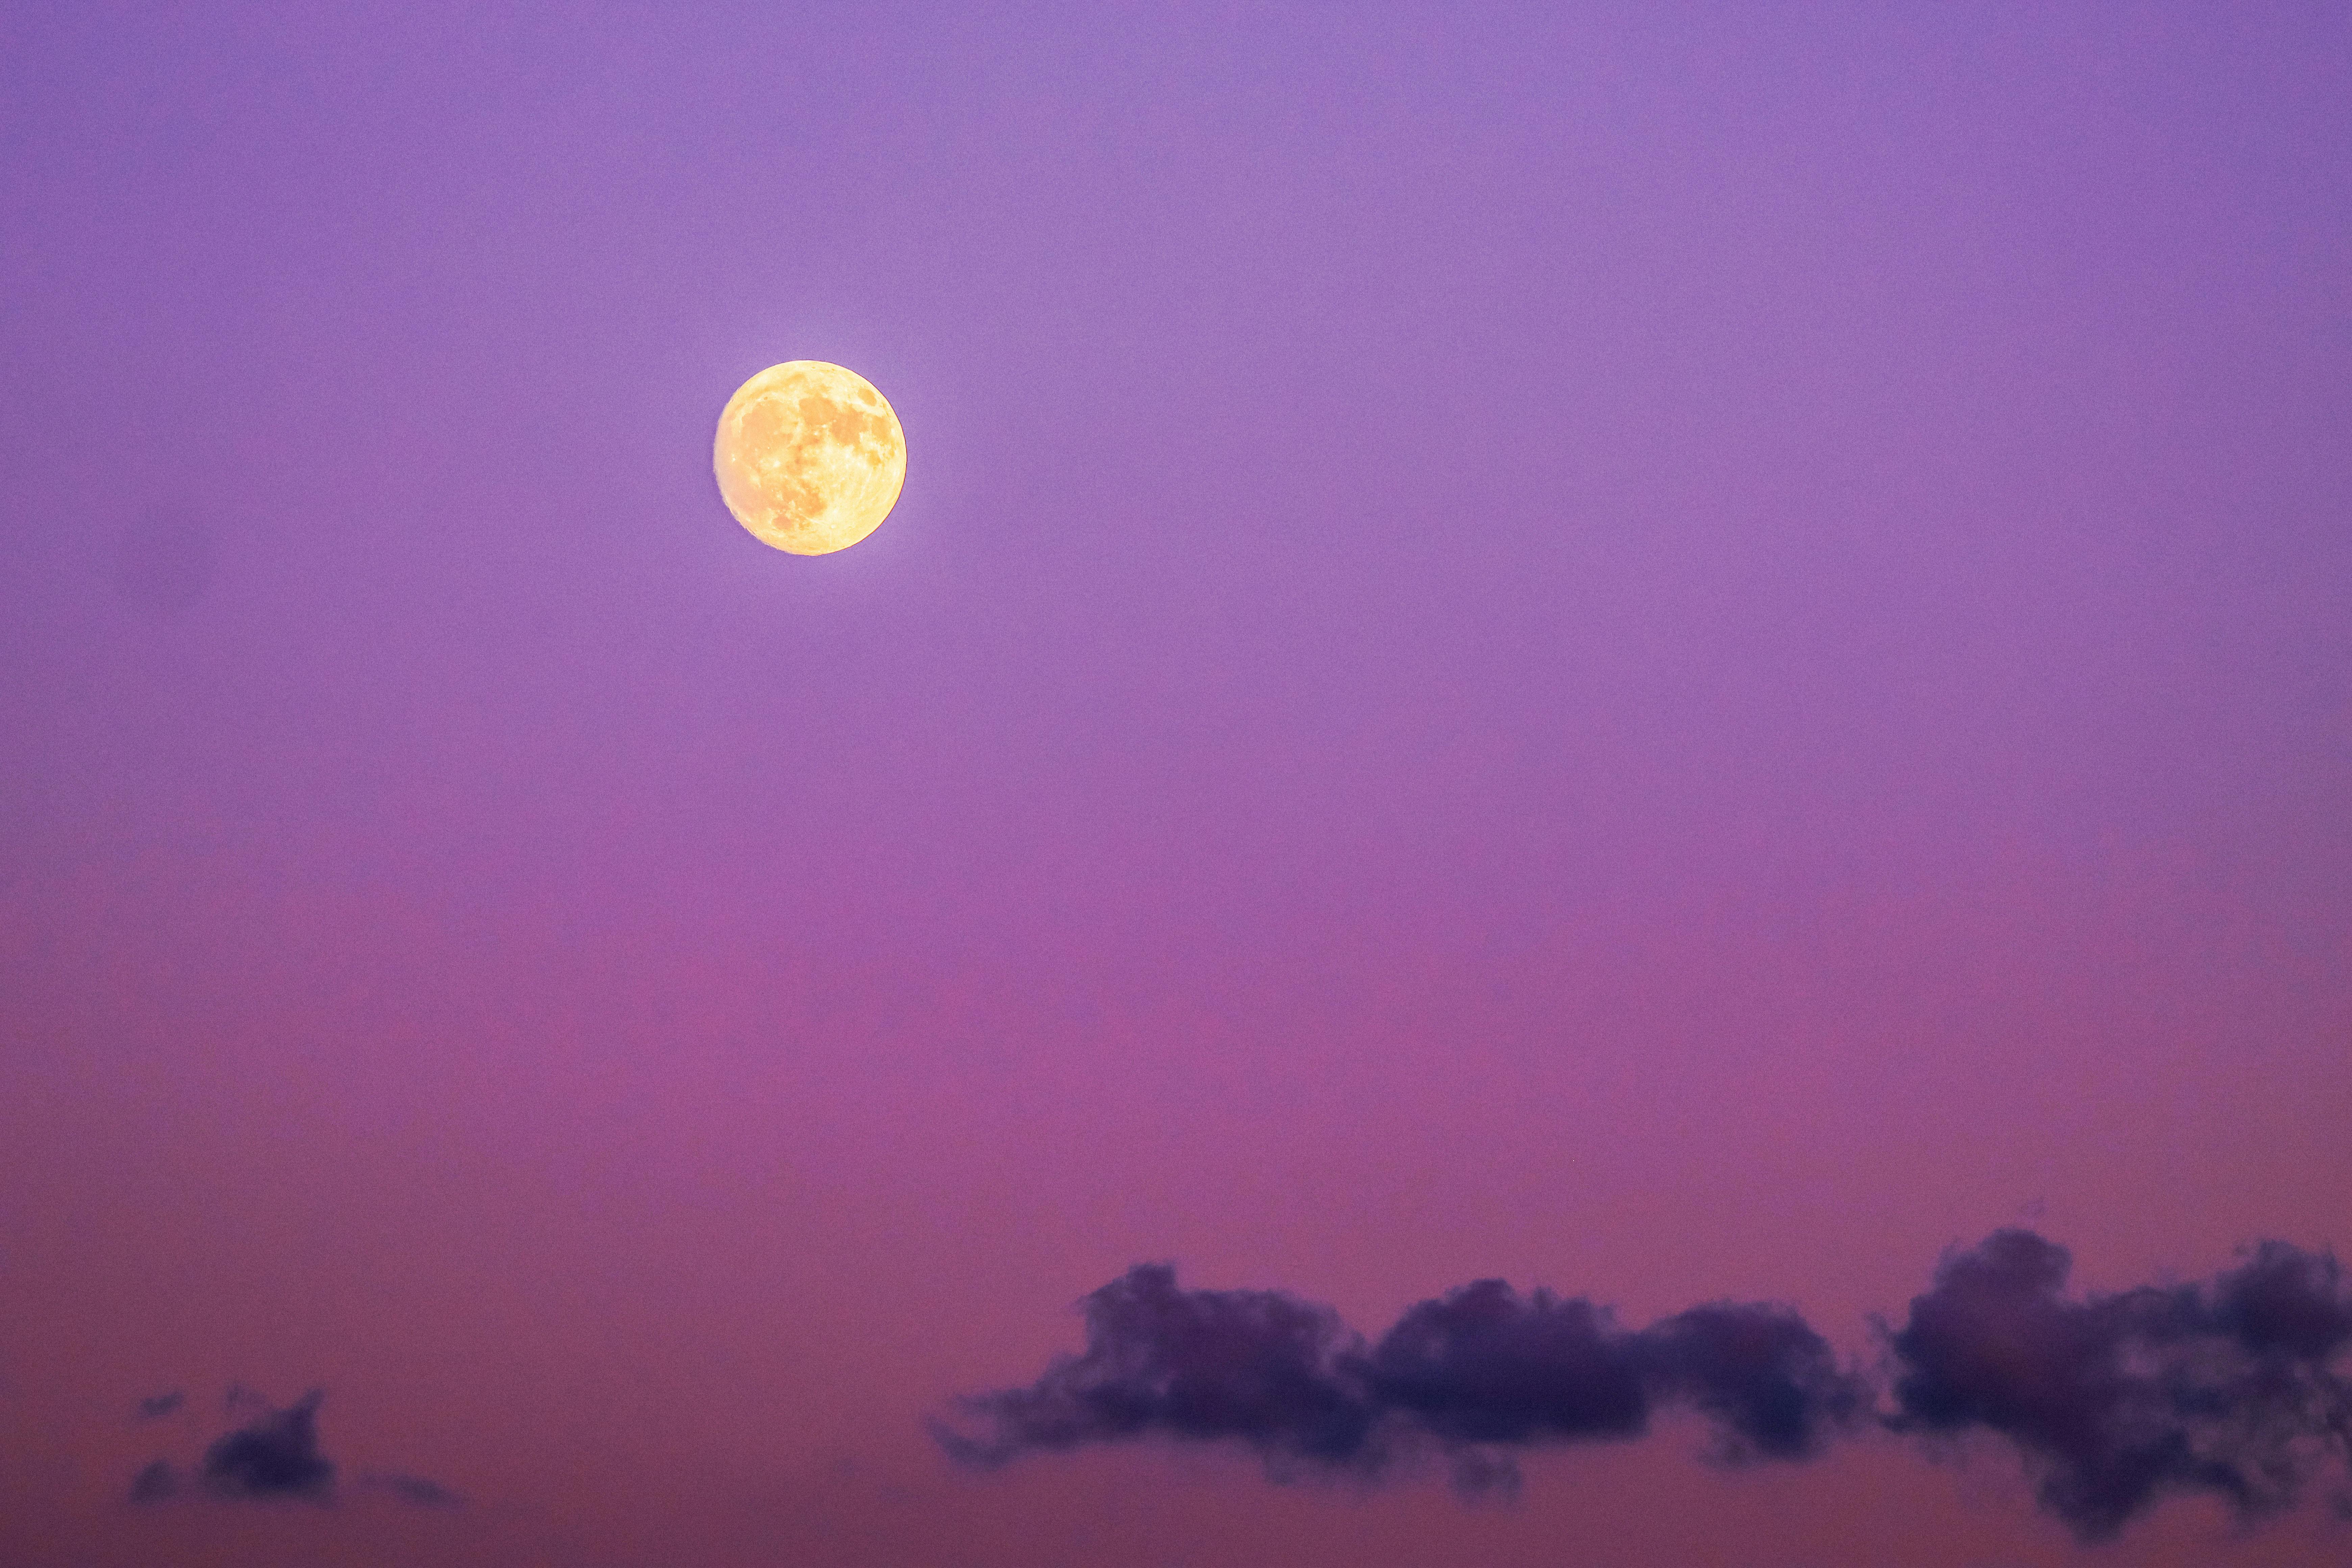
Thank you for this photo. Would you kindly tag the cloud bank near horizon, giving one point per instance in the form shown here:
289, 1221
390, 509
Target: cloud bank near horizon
2227, 1388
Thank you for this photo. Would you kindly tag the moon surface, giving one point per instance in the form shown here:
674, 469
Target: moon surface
809, 457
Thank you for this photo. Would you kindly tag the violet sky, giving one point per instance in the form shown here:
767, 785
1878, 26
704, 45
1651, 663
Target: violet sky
1673, 652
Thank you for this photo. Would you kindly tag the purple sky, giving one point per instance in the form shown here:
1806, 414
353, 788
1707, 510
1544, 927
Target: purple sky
1675, 653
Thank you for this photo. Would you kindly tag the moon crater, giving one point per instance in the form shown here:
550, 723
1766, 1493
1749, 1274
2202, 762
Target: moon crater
810, 456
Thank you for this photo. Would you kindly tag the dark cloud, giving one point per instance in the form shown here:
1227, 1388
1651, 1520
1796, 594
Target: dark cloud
275, 1455
1473, 1375
157, 1405
1772, 1384
2118, 1401
157, 1482
1257, 1367
1484, 1365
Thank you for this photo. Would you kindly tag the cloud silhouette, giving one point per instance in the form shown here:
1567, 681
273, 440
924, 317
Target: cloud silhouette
157, 1405
1258, 1367
274, 1455
155, 1482
1483, 1364
1474, 1376
1773, 1386
2118, 1401
2114, 1402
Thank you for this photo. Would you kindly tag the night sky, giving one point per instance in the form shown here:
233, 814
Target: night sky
1697, 658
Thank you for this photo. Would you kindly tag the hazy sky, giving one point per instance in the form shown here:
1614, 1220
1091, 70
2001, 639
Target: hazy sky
1674, 653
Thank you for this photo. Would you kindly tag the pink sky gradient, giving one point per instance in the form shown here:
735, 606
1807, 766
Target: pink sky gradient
1674, 653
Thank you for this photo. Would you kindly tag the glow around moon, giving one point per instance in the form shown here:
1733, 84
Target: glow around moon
809, 457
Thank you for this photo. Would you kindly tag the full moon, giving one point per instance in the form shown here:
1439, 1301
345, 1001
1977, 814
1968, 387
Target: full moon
810, 456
